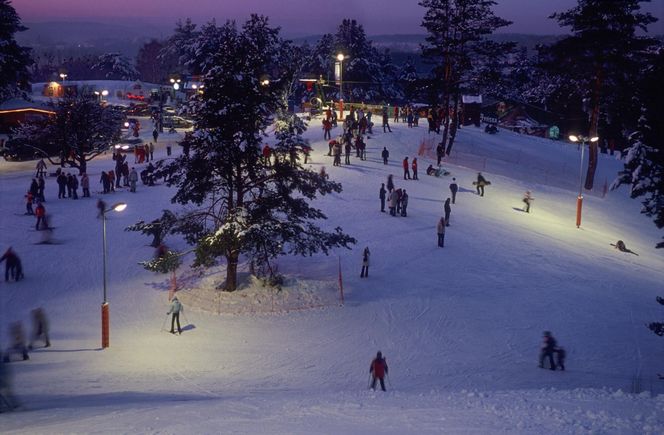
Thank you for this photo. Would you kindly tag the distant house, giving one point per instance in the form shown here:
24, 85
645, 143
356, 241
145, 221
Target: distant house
16, 111
58, 90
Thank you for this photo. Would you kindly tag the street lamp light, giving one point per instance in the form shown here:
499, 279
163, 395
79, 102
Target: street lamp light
63, 76
582, 140
105, 331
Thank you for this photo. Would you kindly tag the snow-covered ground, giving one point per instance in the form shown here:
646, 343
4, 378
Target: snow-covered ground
460, 326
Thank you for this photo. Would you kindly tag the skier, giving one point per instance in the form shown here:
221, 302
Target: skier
404, 203
560, 357
41, 168
381, 195
39, 328
133, 178
18, 342
378, 370
620, 245
40, 212
547, 349
176, 308
13, 267
454, 188
527, 199
28, 204
414, 166
406, 171
448, 210
480, 183
365, 263
440, 228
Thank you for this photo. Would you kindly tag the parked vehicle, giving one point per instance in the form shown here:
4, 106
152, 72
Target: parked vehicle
19, 149
177, 122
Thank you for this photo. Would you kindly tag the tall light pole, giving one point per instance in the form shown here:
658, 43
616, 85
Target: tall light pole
582, 140
340, 58
105, 330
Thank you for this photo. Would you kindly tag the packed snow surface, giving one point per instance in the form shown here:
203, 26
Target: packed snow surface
460, 326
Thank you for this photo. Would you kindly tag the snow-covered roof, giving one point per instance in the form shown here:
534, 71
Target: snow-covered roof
20, 104
468, 99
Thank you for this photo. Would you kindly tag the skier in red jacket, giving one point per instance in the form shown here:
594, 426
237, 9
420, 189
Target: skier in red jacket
378, 369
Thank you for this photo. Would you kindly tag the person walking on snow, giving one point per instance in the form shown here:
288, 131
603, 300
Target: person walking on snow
378, 370
365, 263
548, 347
176, 308
390, 183
448, 209
13, 267
406, 170
385, 155
381, 195
404, 203
133, 179
40, 212
440, 229
480, 183
414, 166
454, 188
41, 168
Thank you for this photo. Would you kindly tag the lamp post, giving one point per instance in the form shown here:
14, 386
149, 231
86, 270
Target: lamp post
582, 140
63, 76
340, 58
105, 330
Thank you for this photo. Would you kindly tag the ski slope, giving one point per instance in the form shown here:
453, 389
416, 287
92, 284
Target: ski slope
460, 326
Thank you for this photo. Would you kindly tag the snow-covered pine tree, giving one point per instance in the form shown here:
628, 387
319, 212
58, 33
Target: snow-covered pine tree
644, 166
456, 41
409, 81
238, 203
14, 59
116, 67
80, 130
603, 57
176, 48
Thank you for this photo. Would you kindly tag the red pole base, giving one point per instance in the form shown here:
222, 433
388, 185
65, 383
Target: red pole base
579, 206
105, 330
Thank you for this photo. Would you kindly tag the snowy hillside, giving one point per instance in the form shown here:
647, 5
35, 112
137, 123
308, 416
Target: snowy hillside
460, 326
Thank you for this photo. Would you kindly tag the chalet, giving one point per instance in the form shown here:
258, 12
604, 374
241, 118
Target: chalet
17, 111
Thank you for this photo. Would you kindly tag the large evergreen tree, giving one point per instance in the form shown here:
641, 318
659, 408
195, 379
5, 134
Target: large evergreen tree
456, 45
14, 59
644, 167
80, 130
116, 67
598, 65
238, 203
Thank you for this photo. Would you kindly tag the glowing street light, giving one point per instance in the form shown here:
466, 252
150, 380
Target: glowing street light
105, 330
340, 59
63, 76
582, 140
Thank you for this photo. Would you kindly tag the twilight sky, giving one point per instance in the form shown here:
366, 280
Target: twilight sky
298, 16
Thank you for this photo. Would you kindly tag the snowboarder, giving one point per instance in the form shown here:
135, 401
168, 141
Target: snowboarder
448, 209
13, 267
440, 229
378, 370
365, 263
454, 188
527, 199
39, 328
176, 308
18, 342
548, 347
480, 183
381, 196
620, 245
414, 166
406, 170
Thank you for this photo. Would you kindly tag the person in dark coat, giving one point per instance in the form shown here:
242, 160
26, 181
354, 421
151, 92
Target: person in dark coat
347, 149
34, 188
548, 347
560, 357
454, 188
390, 183
440, 229
440, 152
40, 212
72, 185
155, 134
385, 155
13, 267
378, 370
39, 328
365, 263
404, 203
41, 186
105, 181
386, 122
62, 184
480, 183
448, 210
381, 194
